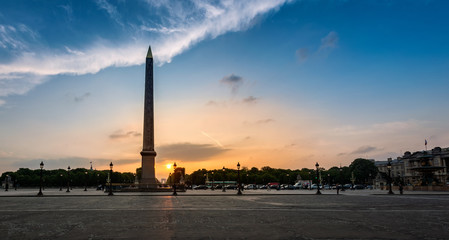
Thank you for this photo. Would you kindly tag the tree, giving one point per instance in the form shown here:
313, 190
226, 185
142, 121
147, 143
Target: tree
363, 170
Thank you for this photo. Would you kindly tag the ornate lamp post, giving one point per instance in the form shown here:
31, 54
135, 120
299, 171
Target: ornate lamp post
68, 179
40, 185
239, 192
329, 181
85, 185
212, 188
224, 176
318, 178
389, 177
341, 177
98, 180
110, 180
174, 177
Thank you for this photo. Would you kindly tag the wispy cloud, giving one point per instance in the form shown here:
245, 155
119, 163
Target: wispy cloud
111, 10
189, 152
16, 37
232, 81
364, 150
250, 99
329, 41
213, 139
119, 134
82, 97
302, 54
260, 122
181, 28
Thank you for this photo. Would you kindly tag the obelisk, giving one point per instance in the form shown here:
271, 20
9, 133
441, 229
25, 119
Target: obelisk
148, 179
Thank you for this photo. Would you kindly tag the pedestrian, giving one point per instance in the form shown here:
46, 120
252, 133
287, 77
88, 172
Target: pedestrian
401, 188
338, 189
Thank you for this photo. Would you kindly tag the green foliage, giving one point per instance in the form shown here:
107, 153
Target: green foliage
363, 170
25, 177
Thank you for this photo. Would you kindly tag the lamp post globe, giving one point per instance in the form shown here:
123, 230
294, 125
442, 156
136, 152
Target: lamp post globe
40, 194
318, 178
174, 177
389, 177
239, 192
110, 181
224, 176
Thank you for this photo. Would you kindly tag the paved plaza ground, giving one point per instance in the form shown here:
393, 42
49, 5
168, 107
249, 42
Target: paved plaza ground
205, 214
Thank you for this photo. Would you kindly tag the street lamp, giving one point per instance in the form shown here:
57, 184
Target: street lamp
98, 180
318, 178
110, 179
68, 179
40, 185
85, 185
239, 192
224, 176
389, 176
213, 180
329, 181
342, 180
174, 182
60, 181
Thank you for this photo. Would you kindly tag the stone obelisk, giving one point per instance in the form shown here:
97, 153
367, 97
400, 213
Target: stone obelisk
148, 179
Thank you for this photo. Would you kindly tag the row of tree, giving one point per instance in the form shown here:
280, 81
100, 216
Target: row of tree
361, 171
25, 177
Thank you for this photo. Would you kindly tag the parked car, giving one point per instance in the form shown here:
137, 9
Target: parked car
251, 187
200, 187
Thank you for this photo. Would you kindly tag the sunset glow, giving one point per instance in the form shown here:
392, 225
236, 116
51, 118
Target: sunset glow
273, 83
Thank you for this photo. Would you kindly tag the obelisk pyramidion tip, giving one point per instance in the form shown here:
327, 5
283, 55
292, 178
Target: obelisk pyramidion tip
149, 54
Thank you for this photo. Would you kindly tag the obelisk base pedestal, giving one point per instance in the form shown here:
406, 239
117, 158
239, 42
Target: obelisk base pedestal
148, 180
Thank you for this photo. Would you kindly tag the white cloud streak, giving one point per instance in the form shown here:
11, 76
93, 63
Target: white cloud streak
182, 29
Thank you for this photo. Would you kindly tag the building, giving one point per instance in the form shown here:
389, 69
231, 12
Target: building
419, 170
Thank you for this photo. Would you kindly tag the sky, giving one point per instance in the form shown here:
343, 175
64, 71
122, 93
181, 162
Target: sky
277, 83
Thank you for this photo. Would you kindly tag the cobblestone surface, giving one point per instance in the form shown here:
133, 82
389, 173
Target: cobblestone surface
361, 214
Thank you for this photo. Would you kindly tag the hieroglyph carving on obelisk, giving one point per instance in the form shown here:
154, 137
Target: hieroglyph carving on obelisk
148, 179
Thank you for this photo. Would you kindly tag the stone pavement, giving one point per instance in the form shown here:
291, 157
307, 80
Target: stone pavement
205, 214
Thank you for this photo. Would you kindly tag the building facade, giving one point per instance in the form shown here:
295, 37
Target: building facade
427, 168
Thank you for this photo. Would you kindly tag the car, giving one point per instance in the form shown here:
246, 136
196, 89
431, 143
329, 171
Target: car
359, 186
251, 186
200, 187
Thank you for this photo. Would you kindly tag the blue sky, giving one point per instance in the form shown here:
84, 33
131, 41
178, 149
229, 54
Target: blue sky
279, 83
